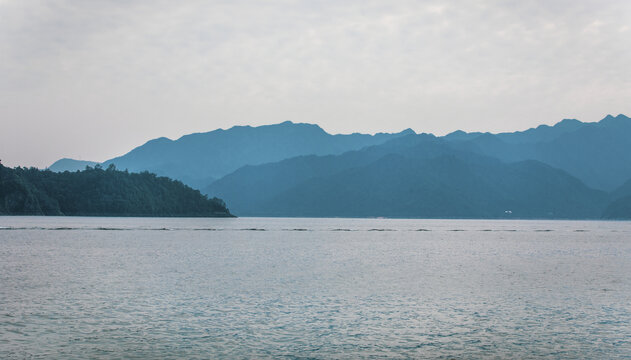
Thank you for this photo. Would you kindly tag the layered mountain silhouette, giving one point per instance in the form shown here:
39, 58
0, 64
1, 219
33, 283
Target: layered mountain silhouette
596, 153
620, 207
415, 176
198, 159
570, 170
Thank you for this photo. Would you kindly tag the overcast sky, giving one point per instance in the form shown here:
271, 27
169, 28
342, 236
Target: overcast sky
93, 79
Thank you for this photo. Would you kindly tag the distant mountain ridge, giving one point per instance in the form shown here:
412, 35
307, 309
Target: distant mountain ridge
413, 176
532, 135
66, 164
570, 170
598, 153
198, 159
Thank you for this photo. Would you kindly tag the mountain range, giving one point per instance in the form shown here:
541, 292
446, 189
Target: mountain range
596, 153
199, 159
570, 170
416, 176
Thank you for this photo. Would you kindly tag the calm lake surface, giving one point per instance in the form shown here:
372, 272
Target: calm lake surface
313, 288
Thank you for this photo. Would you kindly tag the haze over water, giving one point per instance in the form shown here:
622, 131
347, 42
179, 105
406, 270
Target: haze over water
313, 288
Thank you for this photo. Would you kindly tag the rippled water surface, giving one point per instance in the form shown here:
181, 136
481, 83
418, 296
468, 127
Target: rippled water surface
313, 288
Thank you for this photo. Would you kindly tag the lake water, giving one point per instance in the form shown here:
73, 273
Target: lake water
313, 288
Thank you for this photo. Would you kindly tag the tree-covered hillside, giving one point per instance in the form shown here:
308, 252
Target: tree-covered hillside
99, 192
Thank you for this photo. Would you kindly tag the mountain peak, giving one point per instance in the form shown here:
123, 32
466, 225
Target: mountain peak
67, 164
161, 139
568, 122
460, 135
456, 133
200, 158
611, 120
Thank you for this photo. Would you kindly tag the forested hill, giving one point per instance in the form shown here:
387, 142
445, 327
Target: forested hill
100, 192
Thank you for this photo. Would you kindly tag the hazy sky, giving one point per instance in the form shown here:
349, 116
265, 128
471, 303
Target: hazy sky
93, 79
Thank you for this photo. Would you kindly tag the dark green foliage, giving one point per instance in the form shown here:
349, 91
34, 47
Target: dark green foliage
99, 192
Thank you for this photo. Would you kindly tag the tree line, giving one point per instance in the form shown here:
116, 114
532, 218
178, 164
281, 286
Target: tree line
101, 192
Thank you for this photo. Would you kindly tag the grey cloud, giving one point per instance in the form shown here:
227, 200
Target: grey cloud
92, 79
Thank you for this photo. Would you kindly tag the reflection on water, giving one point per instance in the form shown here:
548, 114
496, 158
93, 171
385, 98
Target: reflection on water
313, 288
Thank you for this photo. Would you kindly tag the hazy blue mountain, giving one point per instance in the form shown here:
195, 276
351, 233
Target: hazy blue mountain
66, 164
292, 169
541, 133
533, 135
265, 181
619, 209
598, 153
622, 191
413, 176
198, 159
